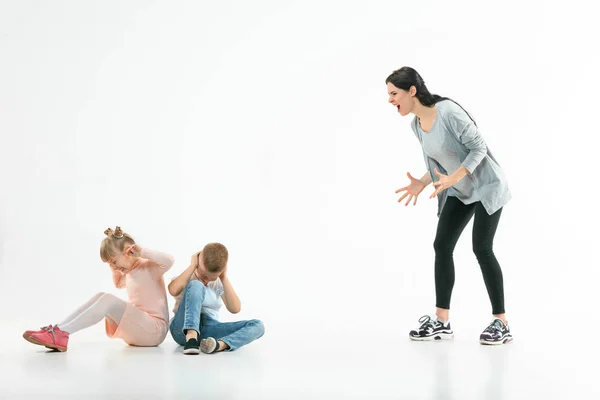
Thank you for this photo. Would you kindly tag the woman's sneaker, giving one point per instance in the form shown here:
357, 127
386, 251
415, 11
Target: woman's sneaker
497, 332
431, 329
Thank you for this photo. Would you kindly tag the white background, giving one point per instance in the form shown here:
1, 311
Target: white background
264, 125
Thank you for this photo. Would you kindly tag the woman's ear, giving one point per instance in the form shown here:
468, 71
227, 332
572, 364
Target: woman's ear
129, 251
412, 91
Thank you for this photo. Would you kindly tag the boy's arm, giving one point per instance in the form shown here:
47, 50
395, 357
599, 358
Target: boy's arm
179, 283
230, 298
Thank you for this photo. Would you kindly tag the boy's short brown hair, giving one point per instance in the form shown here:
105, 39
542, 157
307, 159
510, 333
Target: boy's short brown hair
215, 256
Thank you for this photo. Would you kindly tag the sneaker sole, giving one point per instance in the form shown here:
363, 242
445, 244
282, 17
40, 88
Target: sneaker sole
191, 351
208, 346
33, 340
439, 336
499, 342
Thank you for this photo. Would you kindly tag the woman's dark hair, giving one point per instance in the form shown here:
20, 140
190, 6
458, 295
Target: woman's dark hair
406, 77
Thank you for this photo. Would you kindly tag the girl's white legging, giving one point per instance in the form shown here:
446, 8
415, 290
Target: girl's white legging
93, 311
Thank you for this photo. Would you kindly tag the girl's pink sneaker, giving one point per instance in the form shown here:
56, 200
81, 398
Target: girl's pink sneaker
43, 328
51, 337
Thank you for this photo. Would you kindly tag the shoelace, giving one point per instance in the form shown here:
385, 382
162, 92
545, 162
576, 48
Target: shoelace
426, 322
50, 329
494, 327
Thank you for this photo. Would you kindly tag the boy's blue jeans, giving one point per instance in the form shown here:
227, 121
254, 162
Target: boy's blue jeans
188, 316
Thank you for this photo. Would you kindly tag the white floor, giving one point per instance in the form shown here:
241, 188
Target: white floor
295, 363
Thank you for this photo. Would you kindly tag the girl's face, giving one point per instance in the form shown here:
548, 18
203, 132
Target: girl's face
121, 262
402, 99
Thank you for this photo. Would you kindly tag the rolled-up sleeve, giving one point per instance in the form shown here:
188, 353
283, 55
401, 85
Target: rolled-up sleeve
468, 134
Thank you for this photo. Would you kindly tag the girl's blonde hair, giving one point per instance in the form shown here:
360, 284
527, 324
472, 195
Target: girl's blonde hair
114, 243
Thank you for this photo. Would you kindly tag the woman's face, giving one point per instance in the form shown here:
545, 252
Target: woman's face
402, 99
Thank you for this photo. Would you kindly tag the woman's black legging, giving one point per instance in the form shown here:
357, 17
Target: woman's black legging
453, 219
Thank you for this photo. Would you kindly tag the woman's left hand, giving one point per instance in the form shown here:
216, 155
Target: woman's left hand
444, 182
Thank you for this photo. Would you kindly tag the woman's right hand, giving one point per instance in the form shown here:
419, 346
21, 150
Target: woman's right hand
412, 190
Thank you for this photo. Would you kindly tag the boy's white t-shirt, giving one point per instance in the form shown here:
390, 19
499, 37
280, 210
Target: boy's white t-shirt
212, 299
